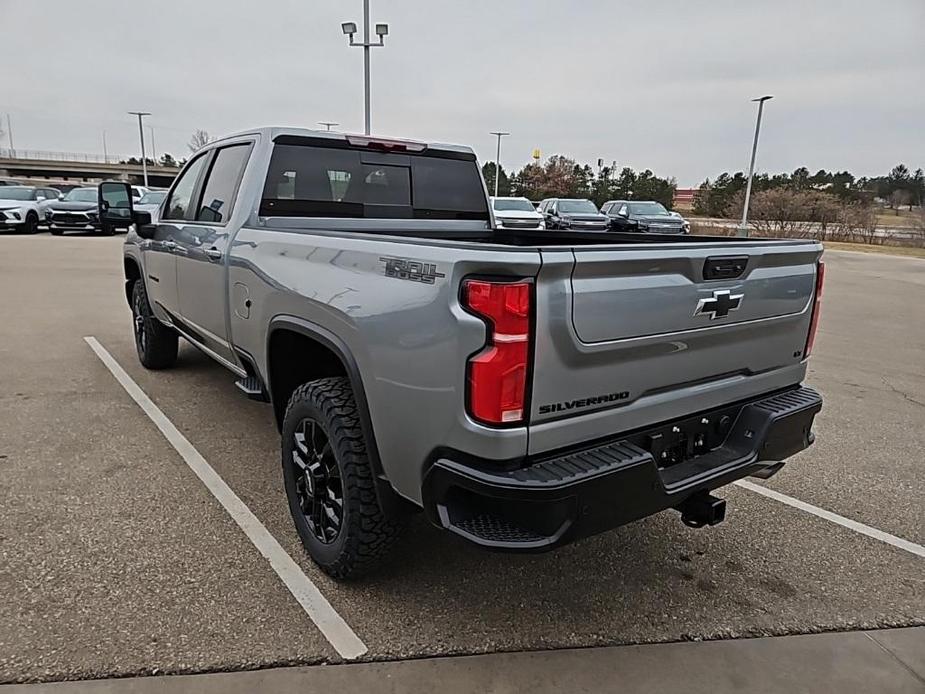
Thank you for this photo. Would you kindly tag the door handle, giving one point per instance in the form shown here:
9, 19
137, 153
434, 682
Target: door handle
214, 253
169, 245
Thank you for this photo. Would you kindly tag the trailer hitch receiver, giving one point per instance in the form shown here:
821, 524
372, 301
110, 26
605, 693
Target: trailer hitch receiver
702, 509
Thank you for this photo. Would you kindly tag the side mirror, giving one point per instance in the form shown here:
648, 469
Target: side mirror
115, 203
143, 226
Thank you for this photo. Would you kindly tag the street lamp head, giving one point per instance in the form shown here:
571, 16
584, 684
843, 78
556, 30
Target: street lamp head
382, 30
349, 28
763, 98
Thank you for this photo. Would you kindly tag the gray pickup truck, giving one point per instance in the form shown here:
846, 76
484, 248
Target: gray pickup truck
525, 388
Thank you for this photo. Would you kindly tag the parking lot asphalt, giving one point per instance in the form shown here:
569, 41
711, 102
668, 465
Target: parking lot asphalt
115, 560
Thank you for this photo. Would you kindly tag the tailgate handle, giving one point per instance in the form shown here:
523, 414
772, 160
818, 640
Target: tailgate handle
724, 267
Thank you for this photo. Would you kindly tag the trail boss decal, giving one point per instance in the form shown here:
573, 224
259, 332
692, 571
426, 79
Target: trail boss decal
413, 270
583, 402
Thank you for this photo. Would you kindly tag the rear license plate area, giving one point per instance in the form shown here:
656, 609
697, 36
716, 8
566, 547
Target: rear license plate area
686, 439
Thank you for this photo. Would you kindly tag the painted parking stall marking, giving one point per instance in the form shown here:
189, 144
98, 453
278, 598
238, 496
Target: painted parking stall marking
332, 626
898, 542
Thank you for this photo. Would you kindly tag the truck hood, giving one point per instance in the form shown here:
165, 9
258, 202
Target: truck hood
517, 214
584, 217
11, 204
657, 219
62, 206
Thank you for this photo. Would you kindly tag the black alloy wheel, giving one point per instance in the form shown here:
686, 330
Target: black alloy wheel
318, 482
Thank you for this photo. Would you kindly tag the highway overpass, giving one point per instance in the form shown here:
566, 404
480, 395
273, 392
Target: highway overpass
68, 167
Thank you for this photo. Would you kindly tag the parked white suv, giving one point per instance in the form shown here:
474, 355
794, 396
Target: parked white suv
516, 213
23, 207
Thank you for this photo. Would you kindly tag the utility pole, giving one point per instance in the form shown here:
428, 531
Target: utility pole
327, 124
382, 30
141, 135
9, 132
153, 148
105, 151
743, 227
499, 134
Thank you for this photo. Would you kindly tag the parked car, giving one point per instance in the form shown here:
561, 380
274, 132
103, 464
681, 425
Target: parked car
516, 213
76, 211
523, 391
572, 213
139, 192
150, 202
644, 216
23, 207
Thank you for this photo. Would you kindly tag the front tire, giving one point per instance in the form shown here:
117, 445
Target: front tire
31, 225
330, 482
155, 343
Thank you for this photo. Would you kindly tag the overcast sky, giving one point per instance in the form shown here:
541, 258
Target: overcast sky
650, 83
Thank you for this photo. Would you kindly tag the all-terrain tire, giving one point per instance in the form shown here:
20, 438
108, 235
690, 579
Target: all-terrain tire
155, 343
365, 533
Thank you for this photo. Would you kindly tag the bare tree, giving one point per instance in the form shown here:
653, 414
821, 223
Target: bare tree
199, 140
856, 222
918, 230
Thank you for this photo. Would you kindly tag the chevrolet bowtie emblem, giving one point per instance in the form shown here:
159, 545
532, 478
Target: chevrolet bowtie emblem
719, 305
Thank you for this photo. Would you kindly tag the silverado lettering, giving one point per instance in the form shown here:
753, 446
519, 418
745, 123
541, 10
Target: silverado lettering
584, 402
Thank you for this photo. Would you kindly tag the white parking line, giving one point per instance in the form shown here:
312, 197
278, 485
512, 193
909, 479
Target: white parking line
911, 547
329, 622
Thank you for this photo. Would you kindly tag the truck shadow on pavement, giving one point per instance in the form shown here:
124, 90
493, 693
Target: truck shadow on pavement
652, 580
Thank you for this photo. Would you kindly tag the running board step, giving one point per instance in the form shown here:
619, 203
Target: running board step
252, 388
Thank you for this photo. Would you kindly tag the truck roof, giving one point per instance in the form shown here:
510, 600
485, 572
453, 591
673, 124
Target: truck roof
272, 132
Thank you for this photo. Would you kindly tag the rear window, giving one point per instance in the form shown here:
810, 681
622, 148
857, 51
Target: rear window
308, 181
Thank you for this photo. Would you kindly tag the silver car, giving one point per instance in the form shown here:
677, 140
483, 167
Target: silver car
150, 202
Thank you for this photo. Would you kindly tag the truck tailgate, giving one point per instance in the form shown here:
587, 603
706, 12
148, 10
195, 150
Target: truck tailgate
631, 336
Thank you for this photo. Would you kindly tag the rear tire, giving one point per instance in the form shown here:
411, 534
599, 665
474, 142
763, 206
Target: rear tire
155, 343
330, 482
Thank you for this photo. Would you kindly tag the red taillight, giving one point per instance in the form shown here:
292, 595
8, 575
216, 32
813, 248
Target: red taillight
498, 374
817, 306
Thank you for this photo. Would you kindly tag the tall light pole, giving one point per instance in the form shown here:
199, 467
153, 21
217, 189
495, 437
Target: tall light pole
743, 227
499, 134
141, 134
327, 124
153, 148
105, 150
350, 29
9, 132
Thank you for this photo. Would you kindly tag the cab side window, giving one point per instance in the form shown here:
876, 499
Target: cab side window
178, 203
222, 184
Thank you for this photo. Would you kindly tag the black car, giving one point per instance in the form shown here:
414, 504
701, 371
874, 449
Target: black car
76, 211
572, 213
645, 216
